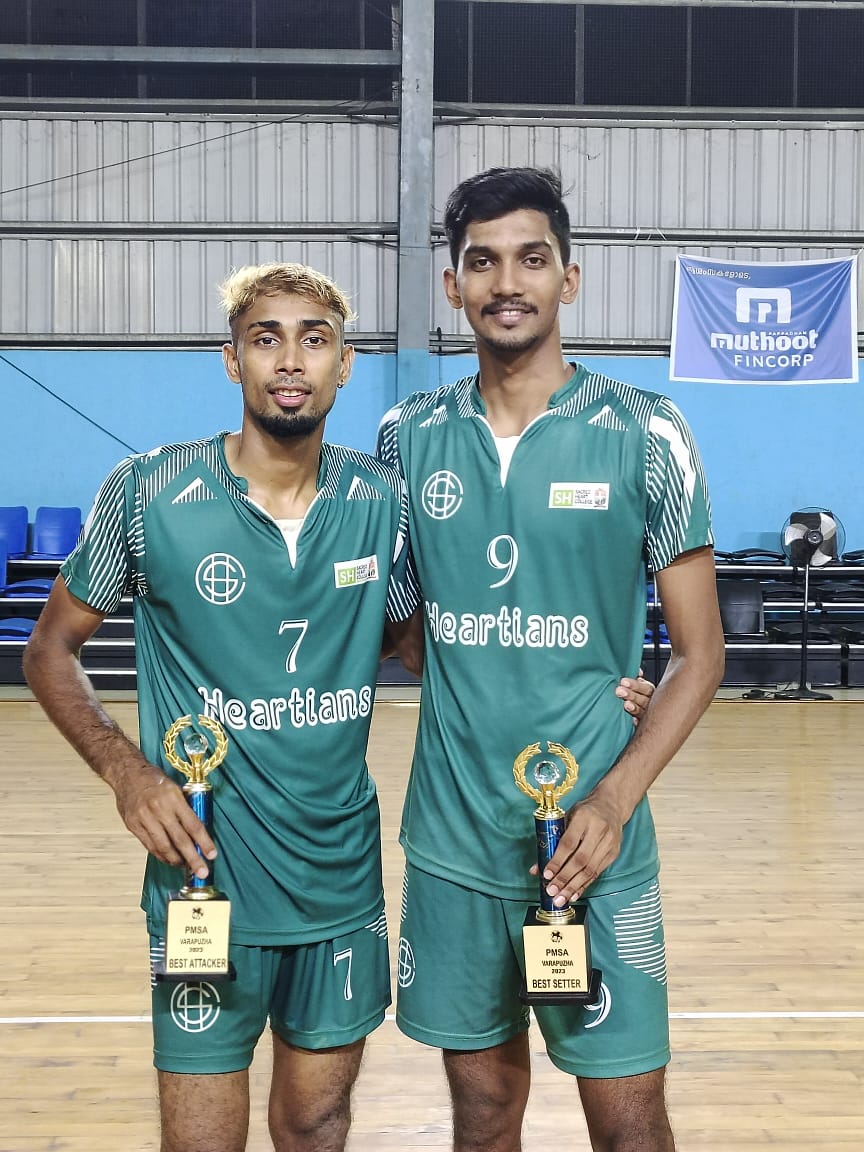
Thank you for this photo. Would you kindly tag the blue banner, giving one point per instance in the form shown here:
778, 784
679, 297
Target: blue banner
765, 323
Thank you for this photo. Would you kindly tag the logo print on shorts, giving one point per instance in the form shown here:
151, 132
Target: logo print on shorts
220, 579
195, 1007
407, 970
602, 1007
442, 495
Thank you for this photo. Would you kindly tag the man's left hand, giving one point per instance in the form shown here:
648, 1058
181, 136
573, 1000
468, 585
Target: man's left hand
591, 841
636, 693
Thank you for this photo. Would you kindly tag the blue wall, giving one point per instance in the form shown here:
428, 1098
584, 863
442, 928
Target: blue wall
767, 450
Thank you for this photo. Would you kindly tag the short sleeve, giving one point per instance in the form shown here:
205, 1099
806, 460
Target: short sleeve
679, 510
387, 447
403, 593
101, 569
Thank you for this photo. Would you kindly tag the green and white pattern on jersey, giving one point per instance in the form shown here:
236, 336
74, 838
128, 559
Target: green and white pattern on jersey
535, 606
285, 658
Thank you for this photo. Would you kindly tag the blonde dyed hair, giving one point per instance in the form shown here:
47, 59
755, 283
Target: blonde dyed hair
244, 285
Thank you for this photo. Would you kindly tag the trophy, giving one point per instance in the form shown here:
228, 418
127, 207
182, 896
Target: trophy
198, 916
557, 947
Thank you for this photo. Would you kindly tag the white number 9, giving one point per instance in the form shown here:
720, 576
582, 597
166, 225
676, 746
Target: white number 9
506, 563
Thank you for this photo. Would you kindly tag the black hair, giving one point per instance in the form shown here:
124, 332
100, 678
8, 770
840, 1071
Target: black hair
499, 191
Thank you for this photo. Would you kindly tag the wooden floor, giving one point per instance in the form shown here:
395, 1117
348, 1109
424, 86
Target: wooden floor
761, 822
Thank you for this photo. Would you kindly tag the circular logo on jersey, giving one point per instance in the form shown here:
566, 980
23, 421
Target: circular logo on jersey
603, 1006
442, 495
220, 578
407, 970
195, 1007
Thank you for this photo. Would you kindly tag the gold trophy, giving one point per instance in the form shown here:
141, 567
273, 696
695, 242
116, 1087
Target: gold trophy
557, 946
198, 916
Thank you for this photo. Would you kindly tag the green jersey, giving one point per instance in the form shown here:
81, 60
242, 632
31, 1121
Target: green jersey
535, 591
283, 655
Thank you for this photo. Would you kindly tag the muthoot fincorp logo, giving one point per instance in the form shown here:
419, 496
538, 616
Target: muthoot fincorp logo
764, 349
767, 349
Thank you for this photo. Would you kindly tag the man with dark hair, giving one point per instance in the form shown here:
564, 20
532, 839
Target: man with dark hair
538, 492
499, 191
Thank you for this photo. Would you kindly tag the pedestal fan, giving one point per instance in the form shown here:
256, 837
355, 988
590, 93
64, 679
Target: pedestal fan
809, 539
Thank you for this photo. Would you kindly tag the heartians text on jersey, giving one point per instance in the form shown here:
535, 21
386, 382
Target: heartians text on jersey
511, 628
306, 708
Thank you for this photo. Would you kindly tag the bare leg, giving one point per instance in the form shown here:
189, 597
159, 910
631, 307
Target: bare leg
489, 1091
627, 1114
310, 1096
208, 1113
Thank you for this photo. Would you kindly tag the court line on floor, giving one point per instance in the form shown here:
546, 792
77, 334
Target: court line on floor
792, 1014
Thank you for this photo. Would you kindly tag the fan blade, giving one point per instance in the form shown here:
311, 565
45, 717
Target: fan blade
793, 532
826, 553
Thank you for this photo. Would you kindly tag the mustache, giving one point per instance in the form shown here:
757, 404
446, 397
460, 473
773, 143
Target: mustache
277, 383
507, 306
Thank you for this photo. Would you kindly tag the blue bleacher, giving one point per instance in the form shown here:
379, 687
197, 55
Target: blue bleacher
13, 530
55, 533
16, 628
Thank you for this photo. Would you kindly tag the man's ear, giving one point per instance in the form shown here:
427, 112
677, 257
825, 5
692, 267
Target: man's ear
451, 289
232, 364
346, 366
572, 280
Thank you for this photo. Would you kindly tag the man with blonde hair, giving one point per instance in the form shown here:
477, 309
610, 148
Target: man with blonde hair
262, 564
243, 287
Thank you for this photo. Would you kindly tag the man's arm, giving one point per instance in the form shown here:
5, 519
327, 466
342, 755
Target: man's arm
688, 592
404, 638
152, 806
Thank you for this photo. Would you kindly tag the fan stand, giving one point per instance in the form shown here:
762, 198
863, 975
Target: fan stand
803, 691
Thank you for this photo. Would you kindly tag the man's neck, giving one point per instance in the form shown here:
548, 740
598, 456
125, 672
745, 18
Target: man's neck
282, 474
517, 391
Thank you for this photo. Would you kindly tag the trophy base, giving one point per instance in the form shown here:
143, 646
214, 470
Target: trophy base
197, 928
163, 976
558, 959
590, 997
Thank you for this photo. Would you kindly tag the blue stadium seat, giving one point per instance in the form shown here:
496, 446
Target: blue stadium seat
36, 587
662, 634
16, 628
13, 530
20, 588
55, 533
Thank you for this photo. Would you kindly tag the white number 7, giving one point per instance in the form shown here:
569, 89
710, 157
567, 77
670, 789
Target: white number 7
506, 564
346, 955
299, 626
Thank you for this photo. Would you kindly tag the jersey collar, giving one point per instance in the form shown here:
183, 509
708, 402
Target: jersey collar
328, 472
567, 389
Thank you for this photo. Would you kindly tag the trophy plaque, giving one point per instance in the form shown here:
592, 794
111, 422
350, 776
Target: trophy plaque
557, 946
198, 916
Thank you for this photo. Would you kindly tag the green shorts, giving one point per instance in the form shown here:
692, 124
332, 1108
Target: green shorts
460, 971
315, 996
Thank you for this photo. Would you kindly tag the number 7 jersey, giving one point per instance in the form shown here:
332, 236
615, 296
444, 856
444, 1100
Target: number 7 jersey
282, 652
533, 576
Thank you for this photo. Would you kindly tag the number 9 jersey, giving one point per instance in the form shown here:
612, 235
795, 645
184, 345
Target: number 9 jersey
531, 554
